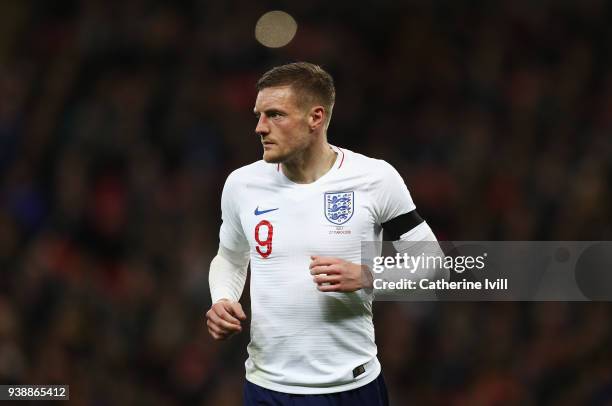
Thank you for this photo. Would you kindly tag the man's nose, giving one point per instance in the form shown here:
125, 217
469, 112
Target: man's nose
262, 126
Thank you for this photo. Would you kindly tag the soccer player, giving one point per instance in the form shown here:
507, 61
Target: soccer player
299, 216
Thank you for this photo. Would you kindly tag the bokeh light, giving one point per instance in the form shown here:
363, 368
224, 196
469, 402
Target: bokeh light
275, 29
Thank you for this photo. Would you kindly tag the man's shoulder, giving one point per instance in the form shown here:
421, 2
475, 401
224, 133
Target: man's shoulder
256, 169
372, 167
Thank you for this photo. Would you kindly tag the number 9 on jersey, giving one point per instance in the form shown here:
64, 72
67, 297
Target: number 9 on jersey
264, 246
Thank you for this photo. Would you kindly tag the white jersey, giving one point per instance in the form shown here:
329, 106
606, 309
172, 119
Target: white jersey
304, 341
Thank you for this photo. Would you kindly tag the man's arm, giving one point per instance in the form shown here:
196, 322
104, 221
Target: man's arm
419, 241
228, 268
228, 271
337, 275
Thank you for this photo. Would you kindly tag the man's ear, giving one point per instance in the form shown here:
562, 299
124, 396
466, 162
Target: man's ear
316, 117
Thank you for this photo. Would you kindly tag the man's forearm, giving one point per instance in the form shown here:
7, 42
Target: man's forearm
227, 276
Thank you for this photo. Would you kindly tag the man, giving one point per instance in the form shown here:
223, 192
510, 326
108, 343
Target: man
299, 215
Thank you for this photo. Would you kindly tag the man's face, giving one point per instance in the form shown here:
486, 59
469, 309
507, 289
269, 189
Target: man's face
282, 124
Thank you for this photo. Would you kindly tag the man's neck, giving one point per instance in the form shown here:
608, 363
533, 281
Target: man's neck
310, 165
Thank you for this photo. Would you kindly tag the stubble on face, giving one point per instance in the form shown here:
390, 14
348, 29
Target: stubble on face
282, 125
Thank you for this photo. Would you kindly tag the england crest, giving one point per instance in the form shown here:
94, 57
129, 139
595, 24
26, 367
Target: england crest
339, 206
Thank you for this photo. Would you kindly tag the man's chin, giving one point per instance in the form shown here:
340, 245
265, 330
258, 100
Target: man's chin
272, 158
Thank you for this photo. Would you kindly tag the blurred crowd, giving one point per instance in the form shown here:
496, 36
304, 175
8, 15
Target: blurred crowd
119, 121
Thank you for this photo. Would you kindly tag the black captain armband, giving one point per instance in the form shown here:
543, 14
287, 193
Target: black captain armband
394, 228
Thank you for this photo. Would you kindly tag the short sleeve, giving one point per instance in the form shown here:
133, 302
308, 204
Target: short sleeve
231, 235
390, 194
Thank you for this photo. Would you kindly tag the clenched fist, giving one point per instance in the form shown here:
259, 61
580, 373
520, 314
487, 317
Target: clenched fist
223, 319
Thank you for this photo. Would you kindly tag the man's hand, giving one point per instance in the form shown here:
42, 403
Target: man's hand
337, 275
223, 319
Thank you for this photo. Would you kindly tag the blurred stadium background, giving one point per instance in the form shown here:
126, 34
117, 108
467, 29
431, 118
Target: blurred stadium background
119, 121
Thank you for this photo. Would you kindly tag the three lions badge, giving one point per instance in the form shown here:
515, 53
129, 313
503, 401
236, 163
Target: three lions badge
339, 207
